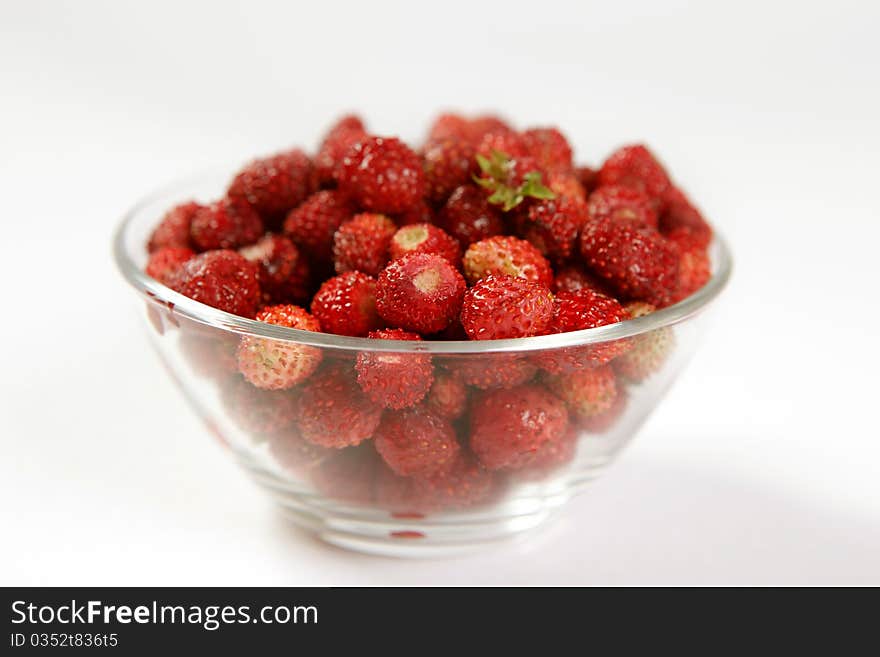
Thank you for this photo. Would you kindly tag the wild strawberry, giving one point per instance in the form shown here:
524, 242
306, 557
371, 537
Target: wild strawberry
649, 350
420, 213
361, 244
635, 259
424, 238
273, 185
465, 484
619, 202
281, 269
447, 164
572, 278
576, 311
552, 226
470, 130
588, 177
549, 147
567, 184
394, 380
260, 413
346, 305
174, 229
602, 422
277, 364
333, 411
226, 224
694, 266
447, 396
506, 255
313, 224
635, 166
501, 306
510, 179
221, 279
503, 371
680, 214
382, 174
295, 455
348, 475
586, 392
165, 262
420, 292
416, 442
469, 217
549, 457
480, 126
508, 426
344, 134
210, 356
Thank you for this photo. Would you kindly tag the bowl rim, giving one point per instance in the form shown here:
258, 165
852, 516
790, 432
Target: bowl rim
196, 311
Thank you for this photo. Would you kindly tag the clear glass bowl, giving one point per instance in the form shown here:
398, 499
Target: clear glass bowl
349, 497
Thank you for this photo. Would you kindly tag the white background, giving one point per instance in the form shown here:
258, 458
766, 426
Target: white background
762, 466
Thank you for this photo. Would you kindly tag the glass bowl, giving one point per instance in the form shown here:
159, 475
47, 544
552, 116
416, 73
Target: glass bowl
536, 409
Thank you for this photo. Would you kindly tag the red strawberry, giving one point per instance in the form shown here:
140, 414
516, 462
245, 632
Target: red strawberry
447, 164
549, 457
588, 177
332, 410
346, 305
277, 364
575, 311
226, 224
465, 484
694, 266
635, 259
567, 184
273, 185
210, 356
587, 392
344, 134
424, 238
261, 413
469, 217
549, 147
420, 292
509, 426
619, 202
447, 396
502, 371
602, 422
382, 174
552, 226
649, 350
282, 271
506, 255
296, 456
221, 279
362, 243
508, 142
680, 213
470, 130
420, 213
165, 262
174, 229
501, 306
348, 475
416, 442
313, 224
508, 179
635, 166
394, 380
574, 277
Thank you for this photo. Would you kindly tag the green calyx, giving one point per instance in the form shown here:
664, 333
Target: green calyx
496, 172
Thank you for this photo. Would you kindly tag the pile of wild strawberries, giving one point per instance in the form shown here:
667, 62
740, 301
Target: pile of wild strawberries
484, 232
